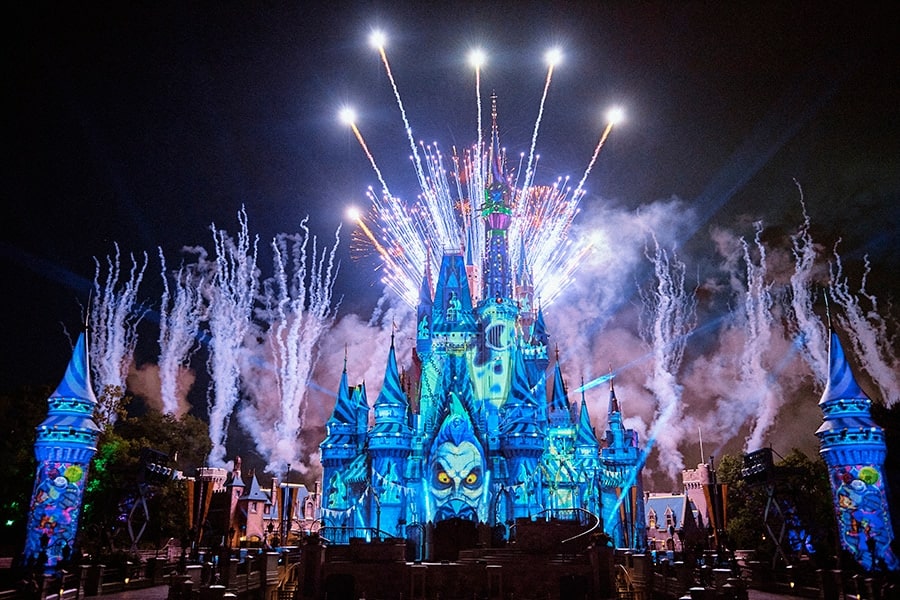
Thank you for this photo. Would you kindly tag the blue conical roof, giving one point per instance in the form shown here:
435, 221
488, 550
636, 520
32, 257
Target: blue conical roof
391, 391
585, 435
255, 492
69, 428
344, 411
559, 397
76, 381
521, 394
539, 329
841, 383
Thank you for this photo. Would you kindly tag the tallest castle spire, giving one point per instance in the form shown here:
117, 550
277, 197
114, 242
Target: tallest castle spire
66, 442
497, 214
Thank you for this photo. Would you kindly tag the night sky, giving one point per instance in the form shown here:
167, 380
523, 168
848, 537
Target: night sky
142, 126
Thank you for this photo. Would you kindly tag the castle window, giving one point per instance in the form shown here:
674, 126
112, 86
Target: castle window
670, 518
253, 507
651, 518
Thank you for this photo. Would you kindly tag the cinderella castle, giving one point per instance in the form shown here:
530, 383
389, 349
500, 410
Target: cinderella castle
481, 429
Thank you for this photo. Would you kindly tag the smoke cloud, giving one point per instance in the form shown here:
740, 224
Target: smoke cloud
722, 346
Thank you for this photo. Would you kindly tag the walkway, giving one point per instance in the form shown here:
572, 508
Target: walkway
160, 592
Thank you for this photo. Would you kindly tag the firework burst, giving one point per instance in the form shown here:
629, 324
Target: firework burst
410, 236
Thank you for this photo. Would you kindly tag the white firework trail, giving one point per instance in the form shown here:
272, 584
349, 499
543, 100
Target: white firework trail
442, 218
230, 292
804, 323
299, 312
180, 315
445, 215
114, 318
670, 316
529, 168
764, 397
868, 331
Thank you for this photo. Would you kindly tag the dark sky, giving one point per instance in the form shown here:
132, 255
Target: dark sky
142, 126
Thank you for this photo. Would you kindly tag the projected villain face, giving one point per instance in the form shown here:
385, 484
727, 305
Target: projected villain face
457, 475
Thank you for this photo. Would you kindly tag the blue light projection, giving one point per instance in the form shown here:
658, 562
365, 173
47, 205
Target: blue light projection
854, 449
66, 441
476, 435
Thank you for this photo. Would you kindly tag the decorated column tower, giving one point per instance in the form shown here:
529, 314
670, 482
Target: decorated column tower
66, 442
853, 447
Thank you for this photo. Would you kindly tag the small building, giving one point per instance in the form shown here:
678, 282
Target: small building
671, 522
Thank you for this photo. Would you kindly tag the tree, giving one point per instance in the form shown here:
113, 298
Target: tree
21, 412
802, 489
115, 474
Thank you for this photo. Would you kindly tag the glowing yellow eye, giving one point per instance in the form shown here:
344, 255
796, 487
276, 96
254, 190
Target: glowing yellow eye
442, 477
471, 478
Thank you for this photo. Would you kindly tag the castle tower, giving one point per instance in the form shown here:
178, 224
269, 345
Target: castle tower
340, 446
522, 434
423, 313
524, 289
497, 214
66, 441
252, 507
854, 449
587, 458
235, 487
560, 411
621, 488
389, 447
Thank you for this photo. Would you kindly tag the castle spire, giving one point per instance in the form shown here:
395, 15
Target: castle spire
854, 449
66, 442
613, 401
585, 435
497, 215
343, 409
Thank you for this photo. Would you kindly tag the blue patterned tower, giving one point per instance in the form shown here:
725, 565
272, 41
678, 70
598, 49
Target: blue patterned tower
389, 446
473, 438
497, 215
340, 446
587, 458
854, 449
620, 481
66, 442
522, 435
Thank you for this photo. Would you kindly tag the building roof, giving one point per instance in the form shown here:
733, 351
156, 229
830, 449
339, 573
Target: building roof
255, 492
841, 383
661, 504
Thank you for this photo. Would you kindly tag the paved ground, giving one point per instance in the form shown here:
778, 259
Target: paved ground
162, 592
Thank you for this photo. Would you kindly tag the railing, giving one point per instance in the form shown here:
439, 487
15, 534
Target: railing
343, 535
567, 514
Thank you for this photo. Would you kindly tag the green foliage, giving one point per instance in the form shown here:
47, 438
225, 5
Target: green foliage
21, 411
112, 405
802, 481
113, 485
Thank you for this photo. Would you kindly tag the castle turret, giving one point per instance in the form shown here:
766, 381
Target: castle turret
521, 430
622, 492
339, 448
587, 458
854, 449
497, 214
66, 442
423, 313
560, 412
389, 446
235, 486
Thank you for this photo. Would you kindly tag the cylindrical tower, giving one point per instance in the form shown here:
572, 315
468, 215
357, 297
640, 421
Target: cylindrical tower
66, 442
854, 449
